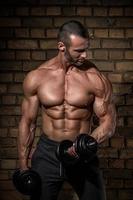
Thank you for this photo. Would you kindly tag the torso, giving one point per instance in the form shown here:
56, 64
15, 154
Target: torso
66, 101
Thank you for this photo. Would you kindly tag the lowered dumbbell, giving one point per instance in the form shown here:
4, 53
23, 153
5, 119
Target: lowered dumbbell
84, 148
27, 182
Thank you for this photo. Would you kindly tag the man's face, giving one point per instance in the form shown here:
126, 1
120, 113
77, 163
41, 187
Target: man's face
76, 53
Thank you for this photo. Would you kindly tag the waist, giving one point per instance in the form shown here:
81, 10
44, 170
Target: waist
44, 139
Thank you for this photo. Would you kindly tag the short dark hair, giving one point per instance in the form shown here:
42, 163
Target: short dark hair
71, 27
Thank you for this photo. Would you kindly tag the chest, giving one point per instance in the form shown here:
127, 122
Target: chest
72, 88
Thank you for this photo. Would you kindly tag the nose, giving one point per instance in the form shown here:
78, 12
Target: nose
84, 55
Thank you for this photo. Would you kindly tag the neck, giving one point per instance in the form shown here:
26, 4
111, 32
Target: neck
64, 63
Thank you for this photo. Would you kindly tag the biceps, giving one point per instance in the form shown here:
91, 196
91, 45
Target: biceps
104, 110
100, 107
30, 107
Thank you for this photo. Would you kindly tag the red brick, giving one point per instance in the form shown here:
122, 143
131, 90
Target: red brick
101, 33
6, 78
69, 11
129, 164
100, 11
13, 132
15, 88
100, 54
100, 22
117, 142
114, 183
126, 153
129, 54
22, 44
8, 164
37, 22
8, 142
128, 77
51, 33
38, 55
115, 78
120, 89
104, 65
53, 10
94, 44
129, 33
9, 153
22, 33
3, 132
84, 11
124, 66
10, 22
48, 44
129, 142
30, 65
125, 111
116, 163
22, 55
7, 121
119, 100
8, 100
10, 110
124, 22
130, 121
7, 55
38, 11
3, 88
58, 21
19, 77
3, 175
108, 153
115, 43
116, 33
6, 185
116, 11
116, 54
37, 33
11, 65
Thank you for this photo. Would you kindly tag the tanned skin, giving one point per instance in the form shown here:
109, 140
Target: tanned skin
69, 89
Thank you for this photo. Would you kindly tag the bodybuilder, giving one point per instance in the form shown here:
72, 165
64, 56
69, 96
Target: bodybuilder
68, 89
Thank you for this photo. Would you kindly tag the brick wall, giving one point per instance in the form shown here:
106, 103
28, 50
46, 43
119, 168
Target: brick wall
28, 38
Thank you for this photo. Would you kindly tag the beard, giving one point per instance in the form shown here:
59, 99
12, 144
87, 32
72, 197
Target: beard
73, 61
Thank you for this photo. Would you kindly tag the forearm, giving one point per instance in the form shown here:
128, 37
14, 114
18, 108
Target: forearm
25, 141
105, 130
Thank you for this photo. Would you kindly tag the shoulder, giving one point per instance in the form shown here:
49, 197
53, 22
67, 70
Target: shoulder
99, 81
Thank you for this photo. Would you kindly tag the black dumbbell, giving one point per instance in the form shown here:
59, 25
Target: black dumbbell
63, 154
27, 182
85, 148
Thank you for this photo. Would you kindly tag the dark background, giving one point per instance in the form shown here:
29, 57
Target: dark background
28, 31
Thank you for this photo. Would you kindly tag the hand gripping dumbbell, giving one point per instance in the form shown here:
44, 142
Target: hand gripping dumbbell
85, 148
27, 182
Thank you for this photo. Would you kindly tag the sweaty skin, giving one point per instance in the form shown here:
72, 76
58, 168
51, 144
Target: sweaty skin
68, 95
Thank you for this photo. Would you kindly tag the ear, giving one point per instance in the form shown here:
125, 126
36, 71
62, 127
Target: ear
61, 46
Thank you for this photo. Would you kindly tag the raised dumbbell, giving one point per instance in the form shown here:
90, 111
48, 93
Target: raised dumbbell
27, 182
85, 148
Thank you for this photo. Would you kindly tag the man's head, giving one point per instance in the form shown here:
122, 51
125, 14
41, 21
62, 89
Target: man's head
73, 42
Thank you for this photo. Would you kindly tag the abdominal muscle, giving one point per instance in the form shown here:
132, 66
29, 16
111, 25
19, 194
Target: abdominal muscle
59, 125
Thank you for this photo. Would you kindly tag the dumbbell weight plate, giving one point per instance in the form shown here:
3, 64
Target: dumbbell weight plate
63, 155
27, 182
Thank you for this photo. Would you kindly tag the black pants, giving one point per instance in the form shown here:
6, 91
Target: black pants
85, 178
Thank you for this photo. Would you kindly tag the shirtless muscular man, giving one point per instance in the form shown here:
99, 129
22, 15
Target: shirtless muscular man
68, 89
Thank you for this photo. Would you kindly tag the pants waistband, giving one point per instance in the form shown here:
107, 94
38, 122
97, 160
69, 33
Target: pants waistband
47, 140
